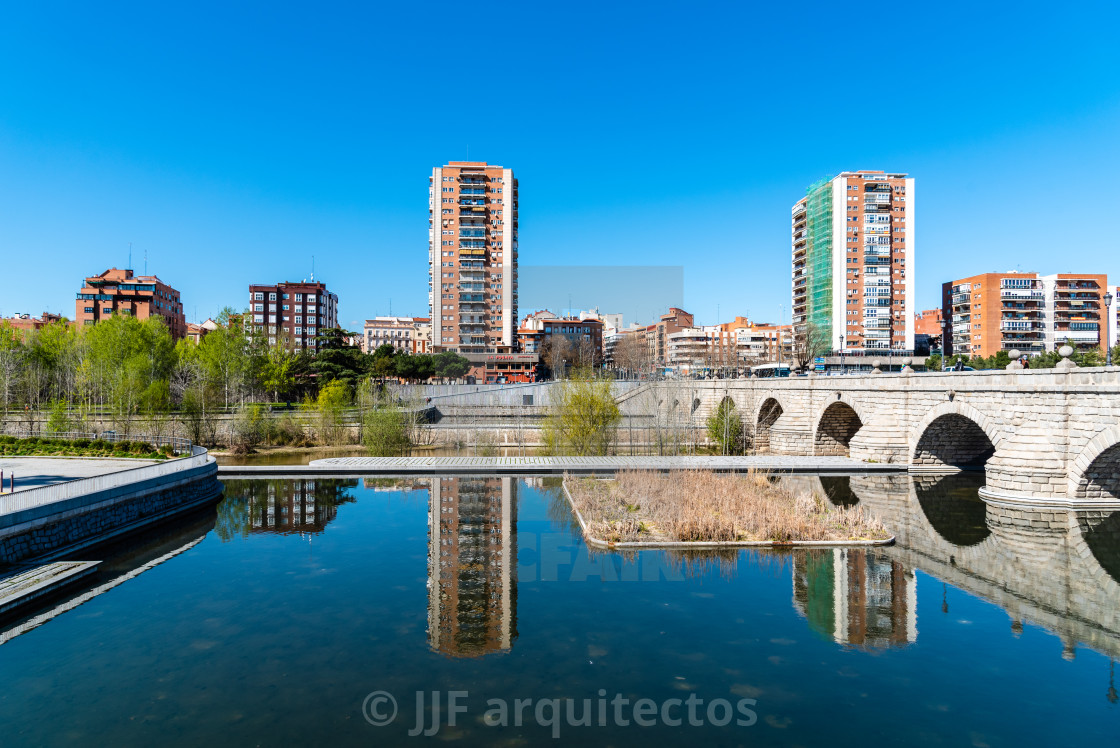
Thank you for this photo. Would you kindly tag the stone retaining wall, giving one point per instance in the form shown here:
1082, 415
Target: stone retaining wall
104, 515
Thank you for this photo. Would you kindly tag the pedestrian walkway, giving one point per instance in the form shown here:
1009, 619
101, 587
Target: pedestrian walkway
542, 465
36, 472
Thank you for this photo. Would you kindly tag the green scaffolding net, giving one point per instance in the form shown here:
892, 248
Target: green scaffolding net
818, 261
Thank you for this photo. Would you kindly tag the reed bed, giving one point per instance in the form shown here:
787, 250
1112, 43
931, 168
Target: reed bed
702, 506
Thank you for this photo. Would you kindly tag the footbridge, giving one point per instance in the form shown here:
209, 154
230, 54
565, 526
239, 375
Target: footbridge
1049, 436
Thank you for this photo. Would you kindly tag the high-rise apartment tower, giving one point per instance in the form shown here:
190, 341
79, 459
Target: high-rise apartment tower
853, 262
472, 259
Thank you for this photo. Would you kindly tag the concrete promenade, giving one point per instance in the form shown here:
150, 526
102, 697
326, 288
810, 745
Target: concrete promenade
546, 465
36, 472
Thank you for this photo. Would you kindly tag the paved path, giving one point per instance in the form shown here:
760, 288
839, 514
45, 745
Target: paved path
538, 465
35, 472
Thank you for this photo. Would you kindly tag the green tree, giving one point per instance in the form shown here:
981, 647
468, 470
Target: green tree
334, 398
584, 418
278, 374
338, 358
450, 365
725, 428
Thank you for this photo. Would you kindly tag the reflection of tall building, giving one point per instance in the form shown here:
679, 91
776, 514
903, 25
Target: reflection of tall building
856, 596
295, 506
472, 557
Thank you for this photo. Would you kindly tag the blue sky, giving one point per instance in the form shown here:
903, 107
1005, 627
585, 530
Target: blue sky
233, 141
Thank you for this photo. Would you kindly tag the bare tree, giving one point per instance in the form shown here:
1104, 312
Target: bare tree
557, 352
631, 353
808, 343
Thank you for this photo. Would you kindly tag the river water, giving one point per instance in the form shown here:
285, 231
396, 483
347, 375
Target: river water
295, 610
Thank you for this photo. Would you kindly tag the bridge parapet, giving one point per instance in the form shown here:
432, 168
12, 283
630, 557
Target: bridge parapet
1040, 434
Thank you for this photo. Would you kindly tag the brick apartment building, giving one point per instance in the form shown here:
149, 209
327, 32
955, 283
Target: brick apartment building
472, 260
118, 291
994, 312
293, 312
853, 262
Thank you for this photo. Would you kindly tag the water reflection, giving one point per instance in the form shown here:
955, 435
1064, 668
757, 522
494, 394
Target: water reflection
856, 597
1048, 566
953, 506
472, 558
282, 507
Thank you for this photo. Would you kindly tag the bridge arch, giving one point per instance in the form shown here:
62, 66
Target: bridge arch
768, 414
953, 435
835, 425
1095, 473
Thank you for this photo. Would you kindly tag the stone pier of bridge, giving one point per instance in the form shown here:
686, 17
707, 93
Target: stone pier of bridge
1049, 435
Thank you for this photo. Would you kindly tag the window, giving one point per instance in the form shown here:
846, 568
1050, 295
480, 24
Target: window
299, 320
272, 297
272, 318
258, 296
284, 307
284, 296
258, 307
299, 297
299, 331
259, 318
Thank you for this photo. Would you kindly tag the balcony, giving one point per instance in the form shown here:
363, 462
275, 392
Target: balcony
1020, 293
960, 298
1077, 336
1017, 326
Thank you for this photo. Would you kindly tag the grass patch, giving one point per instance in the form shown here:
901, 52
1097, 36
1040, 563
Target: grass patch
702, 506
36, 446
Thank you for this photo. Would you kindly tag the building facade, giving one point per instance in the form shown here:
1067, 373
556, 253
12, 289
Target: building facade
292, 313
472, 260
853, 263
118, 291
406, 334
994, 312
27, 323
196, 332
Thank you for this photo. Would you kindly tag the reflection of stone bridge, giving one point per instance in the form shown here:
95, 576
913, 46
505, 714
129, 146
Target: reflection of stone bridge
1039, 434
1053, 567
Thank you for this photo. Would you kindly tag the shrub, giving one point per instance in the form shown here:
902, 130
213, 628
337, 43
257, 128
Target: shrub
385, 432
584, 417
725, 428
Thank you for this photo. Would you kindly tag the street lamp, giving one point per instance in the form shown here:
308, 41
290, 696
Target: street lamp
1107, 329
841, 337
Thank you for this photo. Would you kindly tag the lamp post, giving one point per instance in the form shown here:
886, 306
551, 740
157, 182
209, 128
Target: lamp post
841, 338
1107, 329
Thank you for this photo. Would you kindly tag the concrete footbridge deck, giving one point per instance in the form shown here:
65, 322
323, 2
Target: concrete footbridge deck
835, 465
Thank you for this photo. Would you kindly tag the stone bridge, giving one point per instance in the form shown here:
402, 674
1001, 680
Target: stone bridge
1048, 436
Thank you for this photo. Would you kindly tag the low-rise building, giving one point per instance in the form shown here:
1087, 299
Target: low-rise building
406, 334
117, 291
196, 332
577, 341
27, 323
292, 312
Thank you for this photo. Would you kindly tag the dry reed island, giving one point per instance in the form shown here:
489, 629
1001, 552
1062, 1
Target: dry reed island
705, 507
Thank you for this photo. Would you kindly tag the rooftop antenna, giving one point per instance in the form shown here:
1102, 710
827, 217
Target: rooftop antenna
312, 268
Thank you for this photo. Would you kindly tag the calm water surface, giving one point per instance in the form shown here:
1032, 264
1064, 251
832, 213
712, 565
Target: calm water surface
270, 619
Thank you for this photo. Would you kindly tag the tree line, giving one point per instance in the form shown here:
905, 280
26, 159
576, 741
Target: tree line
124, 366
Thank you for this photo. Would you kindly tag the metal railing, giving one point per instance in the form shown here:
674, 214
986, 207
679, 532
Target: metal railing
32, 498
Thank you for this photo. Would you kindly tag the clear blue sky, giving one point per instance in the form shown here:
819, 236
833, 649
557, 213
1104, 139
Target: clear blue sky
232, 141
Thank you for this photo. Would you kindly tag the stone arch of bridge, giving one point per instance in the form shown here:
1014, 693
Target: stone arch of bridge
836, 422
1095, 473
954, 434
766, 416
